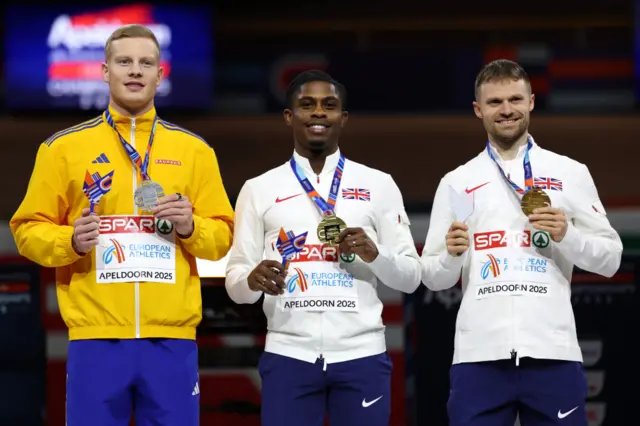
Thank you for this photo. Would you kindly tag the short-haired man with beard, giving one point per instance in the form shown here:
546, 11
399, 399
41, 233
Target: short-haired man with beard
513, 222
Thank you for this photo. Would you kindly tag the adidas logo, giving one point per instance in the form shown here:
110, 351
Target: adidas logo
101, 159
196, 390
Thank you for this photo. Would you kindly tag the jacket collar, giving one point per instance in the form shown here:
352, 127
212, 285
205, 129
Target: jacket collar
521, 151
330, 163
124, 123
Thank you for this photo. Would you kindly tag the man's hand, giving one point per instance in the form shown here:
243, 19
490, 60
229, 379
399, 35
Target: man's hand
457, 238
268, 277
85, 232
355, 240
550, 220
177, 209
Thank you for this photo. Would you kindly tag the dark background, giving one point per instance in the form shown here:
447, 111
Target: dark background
409, 70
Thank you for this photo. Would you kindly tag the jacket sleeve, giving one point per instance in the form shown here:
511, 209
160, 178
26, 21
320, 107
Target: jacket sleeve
39, 225
440, 270
590, 243
212, 212
397, 264
247, 250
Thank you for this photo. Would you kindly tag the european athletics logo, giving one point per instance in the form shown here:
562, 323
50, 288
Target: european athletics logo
299, 279
491, 266
115, 250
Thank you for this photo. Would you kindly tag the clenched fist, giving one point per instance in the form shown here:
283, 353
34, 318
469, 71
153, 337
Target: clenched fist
177, 209
457, 238
268, 277
85, 232
550, 220
356, 241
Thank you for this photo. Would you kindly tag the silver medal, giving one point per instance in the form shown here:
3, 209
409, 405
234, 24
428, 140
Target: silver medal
147, 194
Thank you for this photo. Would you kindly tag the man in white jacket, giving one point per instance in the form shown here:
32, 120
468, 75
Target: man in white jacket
317, 236
513, 222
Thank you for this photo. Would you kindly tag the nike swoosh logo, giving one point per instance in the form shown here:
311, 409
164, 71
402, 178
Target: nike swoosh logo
469, 191
562, 415
366, 404
279, 200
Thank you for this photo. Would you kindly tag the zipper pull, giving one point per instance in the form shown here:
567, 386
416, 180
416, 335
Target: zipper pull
317, 178
324, 362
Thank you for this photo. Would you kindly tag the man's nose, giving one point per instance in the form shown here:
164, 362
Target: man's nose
318, 111
135, 69
506, 108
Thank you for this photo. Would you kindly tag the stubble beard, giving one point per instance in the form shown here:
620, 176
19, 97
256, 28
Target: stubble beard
507, 141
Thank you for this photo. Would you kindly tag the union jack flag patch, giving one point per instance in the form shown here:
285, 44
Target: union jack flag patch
356, 194
548, 183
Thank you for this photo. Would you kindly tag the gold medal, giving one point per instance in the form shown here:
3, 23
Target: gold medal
329, 228
533, 199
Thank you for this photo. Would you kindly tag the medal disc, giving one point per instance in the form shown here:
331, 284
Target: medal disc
329, 228
533, 199
147, 194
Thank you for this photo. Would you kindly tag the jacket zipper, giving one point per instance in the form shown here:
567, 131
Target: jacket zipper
514, 350
136, 285
324, 361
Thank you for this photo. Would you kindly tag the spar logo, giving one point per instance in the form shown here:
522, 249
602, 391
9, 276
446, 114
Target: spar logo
114, 251
127, 225
164, 227
491, 267
298, 279
501, 239
322, 253
316, 253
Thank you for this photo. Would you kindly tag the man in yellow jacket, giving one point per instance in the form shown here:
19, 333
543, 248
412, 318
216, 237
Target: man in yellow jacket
121, 206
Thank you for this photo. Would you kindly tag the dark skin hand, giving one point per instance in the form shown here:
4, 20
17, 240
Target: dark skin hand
356, 241
268, 277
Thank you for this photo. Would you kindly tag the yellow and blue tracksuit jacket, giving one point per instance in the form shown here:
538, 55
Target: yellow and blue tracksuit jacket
43, 224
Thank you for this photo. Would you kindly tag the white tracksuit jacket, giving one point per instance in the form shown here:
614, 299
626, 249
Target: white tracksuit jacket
349, 326
515, 280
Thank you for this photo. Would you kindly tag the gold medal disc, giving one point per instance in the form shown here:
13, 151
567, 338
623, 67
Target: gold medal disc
533, 199
329, 228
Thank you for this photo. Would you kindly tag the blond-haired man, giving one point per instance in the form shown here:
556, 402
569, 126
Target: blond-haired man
121, 206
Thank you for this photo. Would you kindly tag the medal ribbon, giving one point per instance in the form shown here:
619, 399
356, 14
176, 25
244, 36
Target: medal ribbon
142, 166
326, 207
526, 163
